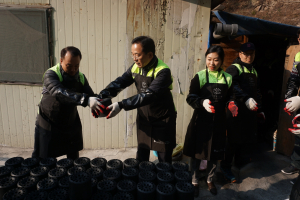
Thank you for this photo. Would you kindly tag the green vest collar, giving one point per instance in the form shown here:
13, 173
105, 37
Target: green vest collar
56, 69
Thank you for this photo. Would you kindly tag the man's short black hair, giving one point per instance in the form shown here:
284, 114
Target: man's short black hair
298, 33
72, 50
146, 42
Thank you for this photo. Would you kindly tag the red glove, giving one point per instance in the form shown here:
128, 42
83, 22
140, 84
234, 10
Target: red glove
233, 108
261, 117
287, 111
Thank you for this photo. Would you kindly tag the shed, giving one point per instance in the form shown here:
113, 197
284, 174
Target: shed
102, 30
275, 51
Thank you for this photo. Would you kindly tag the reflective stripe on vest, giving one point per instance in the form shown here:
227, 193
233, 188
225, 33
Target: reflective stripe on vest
214, 77
245, 69
160, 65
56, 69
296, 60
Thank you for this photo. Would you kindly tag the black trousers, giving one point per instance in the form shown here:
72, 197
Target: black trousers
296, 153
143, 154
210, 170
36, 150
240, 152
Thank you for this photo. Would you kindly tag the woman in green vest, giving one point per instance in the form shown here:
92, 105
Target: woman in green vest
210, 93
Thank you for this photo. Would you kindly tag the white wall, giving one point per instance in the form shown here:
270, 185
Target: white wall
102, 30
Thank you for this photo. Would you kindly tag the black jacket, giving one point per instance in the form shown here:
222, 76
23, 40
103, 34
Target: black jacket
159, 86
238, 92
293, 83
63, 91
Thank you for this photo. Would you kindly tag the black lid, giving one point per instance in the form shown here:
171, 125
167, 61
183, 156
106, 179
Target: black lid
99, 162
37, 195
75, 170
66, 163
64, 182
5, 171
15, 194
30, 162
106, 185
14, 162
81, 177
20, 172
47, 184
57, 172
39, 171
8, 182
28, 182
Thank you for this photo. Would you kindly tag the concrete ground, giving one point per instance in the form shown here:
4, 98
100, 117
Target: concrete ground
259, 180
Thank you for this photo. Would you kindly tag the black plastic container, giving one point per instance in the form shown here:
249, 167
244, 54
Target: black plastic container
130, 173
165, 177
102, 196
114, 164
184, 190
163, 166
37, 195
147, 166
41, 172
94, 185
5, 171
146, 190
75, 170
47, 184
7, 184
99, 162
180, 166
30, 162
57, 173
14, 162
112, 174
83, 162
65, 163
131, 162
127, 185
95, 172
48, 162
165, 191
29, 183
80, 186
124, 196
183, 176
108, 186
147, 176
58, 194
20, 172
64, 182
15, 194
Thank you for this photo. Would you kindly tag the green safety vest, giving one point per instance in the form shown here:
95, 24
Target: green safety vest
296, 60
160, 65
214, 77
56, 69
253, 71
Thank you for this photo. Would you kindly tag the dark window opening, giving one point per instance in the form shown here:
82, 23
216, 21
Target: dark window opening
25, 50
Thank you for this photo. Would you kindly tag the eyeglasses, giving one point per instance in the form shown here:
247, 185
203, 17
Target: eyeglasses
136, 57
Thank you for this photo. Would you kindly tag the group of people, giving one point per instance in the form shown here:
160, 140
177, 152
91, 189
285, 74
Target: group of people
226, 107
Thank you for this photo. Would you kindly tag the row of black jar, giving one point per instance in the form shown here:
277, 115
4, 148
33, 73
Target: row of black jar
85, 179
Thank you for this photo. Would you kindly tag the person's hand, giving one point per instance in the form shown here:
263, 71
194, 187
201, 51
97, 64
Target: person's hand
286, 110
296, 129
251, 104
293, 104
94, 103
261, 117
97, 113
115, 109
208, 107
233, 108
296, 125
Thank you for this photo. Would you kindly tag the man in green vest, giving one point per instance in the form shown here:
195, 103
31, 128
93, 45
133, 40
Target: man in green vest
293, 105
156, 113
58, 128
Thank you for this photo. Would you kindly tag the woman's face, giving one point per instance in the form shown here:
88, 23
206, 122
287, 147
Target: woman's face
213, 61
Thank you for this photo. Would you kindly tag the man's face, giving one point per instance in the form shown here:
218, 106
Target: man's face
70, 64
247, 56
139, 57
